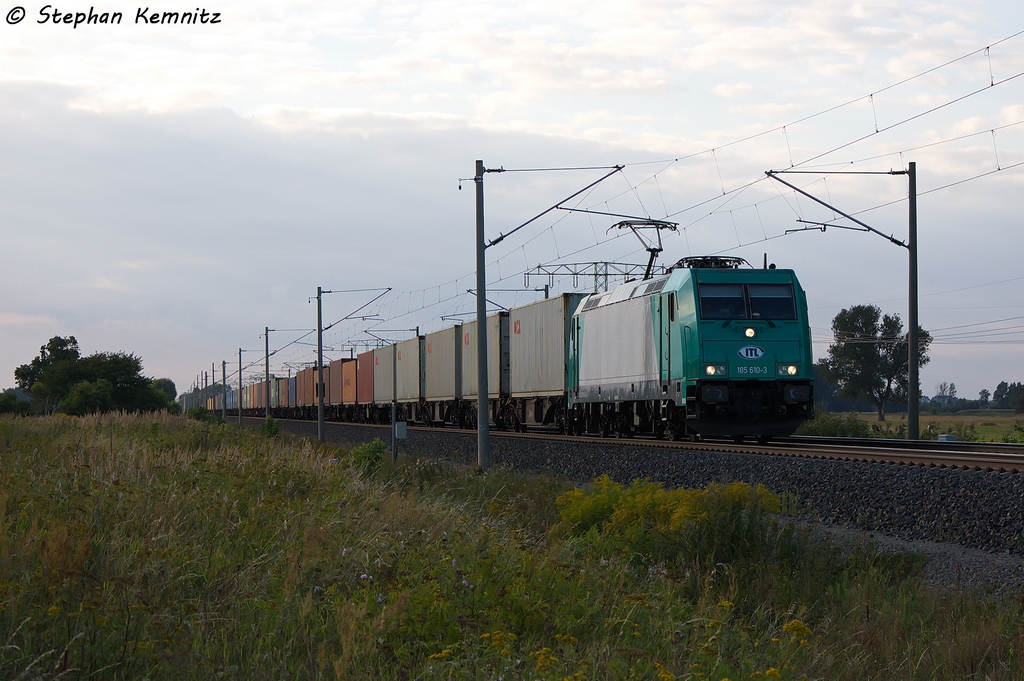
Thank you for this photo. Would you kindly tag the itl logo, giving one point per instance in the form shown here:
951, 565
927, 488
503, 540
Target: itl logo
750, 352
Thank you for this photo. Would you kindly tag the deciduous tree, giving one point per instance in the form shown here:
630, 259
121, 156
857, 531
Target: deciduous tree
167, 387
869, 355
103, 381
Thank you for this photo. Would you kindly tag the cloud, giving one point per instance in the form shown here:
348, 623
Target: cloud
736, 90
17, 319
172, 192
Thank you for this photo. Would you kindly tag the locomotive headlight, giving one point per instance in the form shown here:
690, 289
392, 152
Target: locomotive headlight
716, 370
788, 370
750, 333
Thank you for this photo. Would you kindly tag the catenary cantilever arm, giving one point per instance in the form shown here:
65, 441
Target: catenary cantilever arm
775, 176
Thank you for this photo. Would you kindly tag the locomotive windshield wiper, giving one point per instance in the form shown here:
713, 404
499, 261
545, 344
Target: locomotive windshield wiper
732, 315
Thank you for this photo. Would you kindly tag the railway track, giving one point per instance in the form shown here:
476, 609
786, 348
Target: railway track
978, 456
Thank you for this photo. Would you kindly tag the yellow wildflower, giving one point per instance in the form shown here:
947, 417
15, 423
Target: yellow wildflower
443, 655
797, 628
545, 660
501, 640
772, 672
663, 673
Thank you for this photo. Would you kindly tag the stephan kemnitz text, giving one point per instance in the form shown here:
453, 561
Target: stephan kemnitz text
143, 15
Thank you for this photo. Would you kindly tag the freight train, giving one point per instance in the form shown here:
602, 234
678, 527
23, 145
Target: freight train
708, 349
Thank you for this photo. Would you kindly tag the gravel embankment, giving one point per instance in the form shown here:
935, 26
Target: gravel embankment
970, 524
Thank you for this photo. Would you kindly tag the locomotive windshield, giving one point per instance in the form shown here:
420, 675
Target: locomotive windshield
722, 301
747, 301
771, 301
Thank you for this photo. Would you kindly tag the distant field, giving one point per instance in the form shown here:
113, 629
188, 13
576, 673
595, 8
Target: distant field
988, 425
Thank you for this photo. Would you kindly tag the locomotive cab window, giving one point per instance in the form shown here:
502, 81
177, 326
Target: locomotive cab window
747, 301
721, 301
771, 301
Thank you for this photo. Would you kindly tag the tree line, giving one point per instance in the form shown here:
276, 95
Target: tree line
61, 380
867, 367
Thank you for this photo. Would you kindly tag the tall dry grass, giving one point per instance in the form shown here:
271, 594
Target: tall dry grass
155, 547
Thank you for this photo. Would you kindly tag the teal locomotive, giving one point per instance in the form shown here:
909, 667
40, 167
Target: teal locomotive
709, 349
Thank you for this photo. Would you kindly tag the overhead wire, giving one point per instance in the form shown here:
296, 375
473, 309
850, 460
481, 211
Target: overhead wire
733, 193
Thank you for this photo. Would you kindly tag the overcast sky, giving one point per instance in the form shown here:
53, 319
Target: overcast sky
170, 190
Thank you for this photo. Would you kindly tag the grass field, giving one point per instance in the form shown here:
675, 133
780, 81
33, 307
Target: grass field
989, 425
160, 548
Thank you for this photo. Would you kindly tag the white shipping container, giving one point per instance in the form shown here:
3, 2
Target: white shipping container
410, 375
442, 359
383, 371
497, 365
539, 346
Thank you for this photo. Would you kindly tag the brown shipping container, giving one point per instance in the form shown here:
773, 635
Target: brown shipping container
348, 381
300, 388
334, 392
364, 378
308, 387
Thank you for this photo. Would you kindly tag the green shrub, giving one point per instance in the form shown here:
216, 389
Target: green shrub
825, 424
10, 404
964, 432
369, 456
89, 397
717, 524
1015, 434
271, 427
203, 414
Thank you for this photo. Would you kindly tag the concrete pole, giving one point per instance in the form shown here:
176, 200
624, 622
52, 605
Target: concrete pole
913, 352
319, 367
239, 400
266, 378
394, 402
224, 390
483, 435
